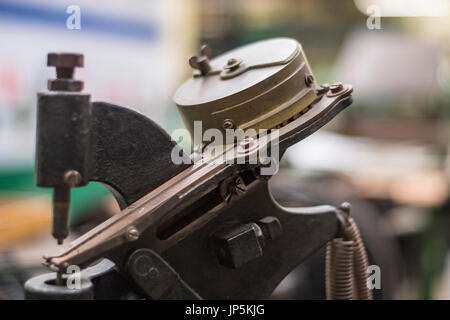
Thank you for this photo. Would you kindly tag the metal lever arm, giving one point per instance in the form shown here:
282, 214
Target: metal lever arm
242, 265
185, 219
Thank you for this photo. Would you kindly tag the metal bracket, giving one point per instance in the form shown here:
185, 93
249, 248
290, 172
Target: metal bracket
114, 145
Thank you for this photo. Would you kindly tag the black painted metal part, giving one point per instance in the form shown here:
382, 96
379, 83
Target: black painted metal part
208, 248
103, 142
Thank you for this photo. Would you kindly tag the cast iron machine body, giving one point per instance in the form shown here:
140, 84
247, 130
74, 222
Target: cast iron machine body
196, 228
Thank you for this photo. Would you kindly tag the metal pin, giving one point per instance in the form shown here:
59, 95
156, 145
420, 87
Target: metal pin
61, 208
59, 278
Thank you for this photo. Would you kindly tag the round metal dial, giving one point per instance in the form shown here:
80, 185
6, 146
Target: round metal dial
258, 86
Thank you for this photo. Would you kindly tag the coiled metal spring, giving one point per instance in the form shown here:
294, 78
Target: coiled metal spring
346, 266
339, 269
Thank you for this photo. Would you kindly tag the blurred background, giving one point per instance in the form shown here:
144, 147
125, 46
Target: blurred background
388, 154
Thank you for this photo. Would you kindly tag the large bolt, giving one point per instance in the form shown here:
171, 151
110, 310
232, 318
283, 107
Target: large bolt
239, 245
65, 64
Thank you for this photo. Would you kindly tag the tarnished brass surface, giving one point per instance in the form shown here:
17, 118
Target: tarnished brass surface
257, 86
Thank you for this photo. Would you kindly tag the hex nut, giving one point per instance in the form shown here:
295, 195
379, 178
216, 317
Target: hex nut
271, 227
65, 60
65, 85
239, 245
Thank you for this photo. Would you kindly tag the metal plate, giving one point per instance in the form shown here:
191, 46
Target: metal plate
274, 53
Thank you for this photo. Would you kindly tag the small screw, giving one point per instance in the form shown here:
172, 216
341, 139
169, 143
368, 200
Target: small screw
232, 188
309, 80
201, 62
228, 124
336, 87
343, 214
72, 178
323, 89
232, 64
346, 207
132, 234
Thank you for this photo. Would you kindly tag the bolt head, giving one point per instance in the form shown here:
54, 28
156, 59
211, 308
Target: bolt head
72, 178
336, 87
309, 80
65, 60
228, 124
132, 234
232, 64
239, 245
322, 89
346, 207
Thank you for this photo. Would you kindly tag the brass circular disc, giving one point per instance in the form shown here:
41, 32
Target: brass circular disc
267, 88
